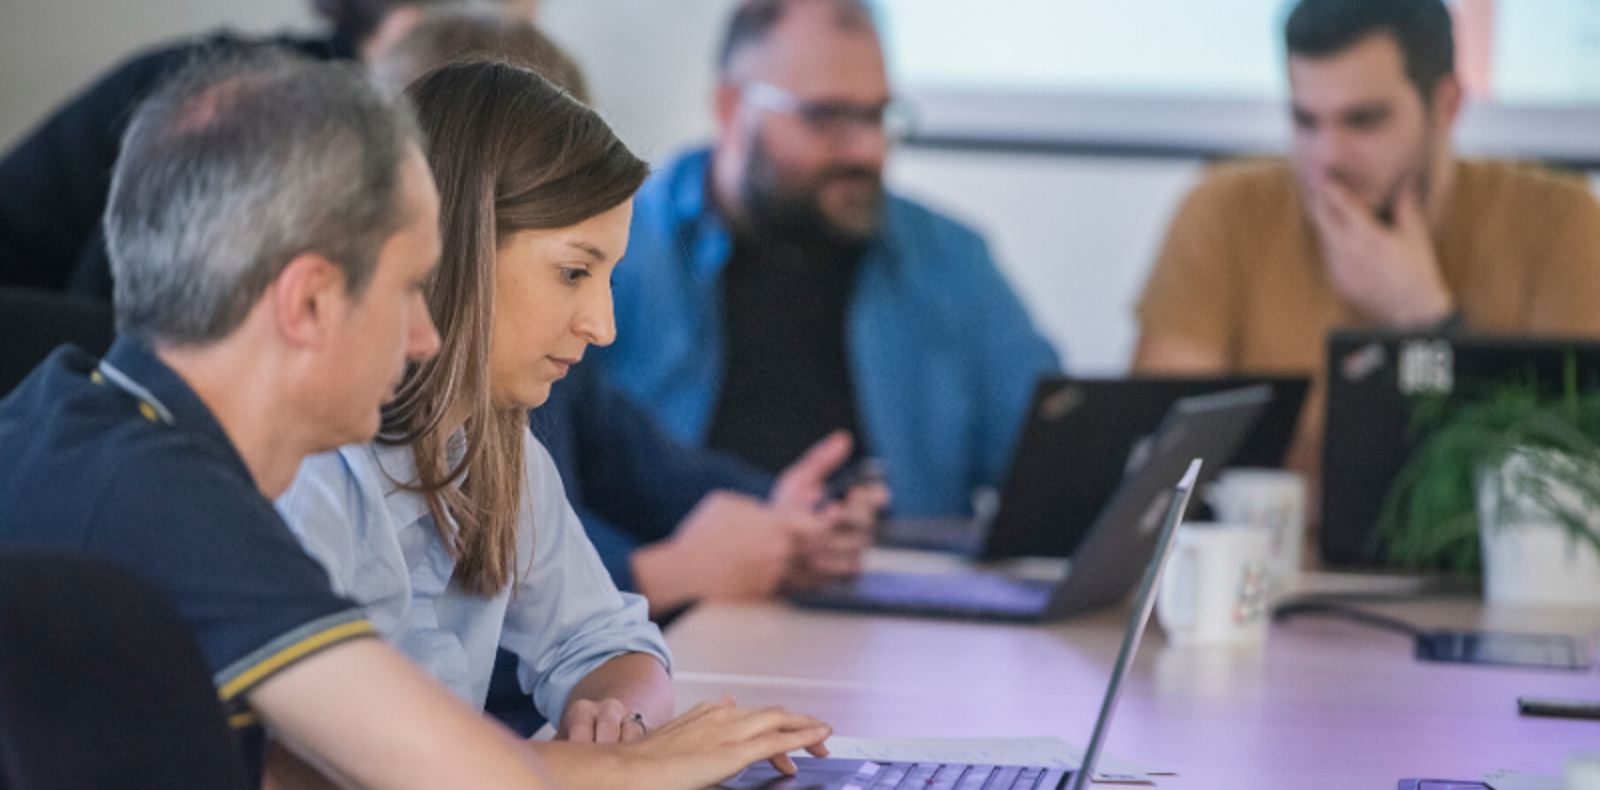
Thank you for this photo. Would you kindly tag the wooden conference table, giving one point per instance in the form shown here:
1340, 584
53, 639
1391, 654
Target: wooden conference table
1323, 703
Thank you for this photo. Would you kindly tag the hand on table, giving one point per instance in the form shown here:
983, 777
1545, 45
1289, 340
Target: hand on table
606, 721
709, 743
1389, 271
715, 739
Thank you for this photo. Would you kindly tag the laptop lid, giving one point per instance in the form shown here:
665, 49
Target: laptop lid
1108, 562
1072, 451
1136, 623
1373, 377
1107, 565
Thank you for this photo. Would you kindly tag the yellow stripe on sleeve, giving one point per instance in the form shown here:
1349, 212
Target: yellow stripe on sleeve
292, 654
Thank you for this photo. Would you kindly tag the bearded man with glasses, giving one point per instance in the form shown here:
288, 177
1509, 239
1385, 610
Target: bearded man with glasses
774, 292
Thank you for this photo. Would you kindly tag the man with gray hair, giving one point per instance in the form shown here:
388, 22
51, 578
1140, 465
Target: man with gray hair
272, 224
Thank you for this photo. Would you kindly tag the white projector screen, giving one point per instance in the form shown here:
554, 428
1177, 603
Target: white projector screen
1200, 77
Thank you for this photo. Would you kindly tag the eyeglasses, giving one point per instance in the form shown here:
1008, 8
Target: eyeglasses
835, 120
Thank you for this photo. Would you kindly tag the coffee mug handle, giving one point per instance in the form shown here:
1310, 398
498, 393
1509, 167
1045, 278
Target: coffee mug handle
1175, 605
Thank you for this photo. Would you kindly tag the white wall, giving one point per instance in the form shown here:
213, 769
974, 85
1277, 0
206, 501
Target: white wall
649, 64
1075, 235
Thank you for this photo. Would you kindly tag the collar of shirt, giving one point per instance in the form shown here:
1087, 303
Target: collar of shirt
396, 466
140, 365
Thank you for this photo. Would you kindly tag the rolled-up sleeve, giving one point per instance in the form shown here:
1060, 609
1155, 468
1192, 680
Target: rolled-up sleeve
566, 616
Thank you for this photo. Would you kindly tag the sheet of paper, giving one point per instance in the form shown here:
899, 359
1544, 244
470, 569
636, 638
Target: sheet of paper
1046, 751
1506, 779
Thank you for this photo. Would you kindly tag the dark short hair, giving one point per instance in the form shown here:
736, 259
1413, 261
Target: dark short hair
754, 19
1421, 28
236, 166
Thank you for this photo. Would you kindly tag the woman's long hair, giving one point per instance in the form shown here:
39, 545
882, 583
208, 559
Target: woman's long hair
510, 152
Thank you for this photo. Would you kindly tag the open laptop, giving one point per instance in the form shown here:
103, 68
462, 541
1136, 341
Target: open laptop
834, 774
1106, 565
1373, 378
1072, 453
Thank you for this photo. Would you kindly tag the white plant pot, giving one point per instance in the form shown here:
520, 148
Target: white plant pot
1536, 560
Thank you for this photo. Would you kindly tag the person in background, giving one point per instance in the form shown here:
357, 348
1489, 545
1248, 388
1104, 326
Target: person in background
774, 293
672, 521
54, 182
272, 223
1371, 222
452, 530
461, 31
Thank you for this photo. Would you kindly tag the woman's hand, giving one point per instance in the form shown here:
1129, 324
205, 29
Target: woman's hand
709, 743
606, 721
715, 740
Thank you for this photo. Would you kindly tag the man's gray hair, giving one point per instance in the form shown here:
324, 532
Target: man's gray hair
235, 167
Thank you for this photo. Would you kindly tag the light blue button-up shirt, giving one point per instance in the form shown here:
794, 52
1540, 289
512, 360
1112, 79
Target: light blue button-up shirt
562, 615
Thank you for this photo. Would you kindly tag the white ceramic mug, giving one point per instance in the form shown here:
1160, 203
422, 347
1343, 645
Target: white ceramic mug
1270, 498
1214, 588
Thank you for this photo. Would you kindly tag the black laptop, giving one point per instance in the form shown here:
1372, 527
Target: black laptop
1078, 441
839, 774
1108, 561
1373, 378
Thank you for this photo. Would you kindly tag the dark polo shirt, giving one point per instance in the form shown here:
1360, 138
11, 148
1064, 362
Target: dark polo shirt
119, 459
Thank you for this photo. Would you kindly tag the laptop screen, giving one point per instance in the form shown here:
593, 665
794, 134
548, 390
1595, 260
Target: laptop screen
1374, 380
1075, 447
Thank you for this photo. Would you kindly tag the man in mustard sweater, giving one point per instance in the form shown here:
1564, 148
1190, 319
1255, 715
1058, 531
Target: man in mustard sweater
1372, 221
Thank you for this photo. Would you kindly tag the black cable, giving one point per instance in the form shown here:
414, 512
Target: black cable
1319, 606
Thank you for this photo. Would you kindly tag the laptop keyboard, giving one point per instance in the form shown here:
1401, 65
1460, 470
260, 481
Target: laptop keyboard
834, 774
946, 776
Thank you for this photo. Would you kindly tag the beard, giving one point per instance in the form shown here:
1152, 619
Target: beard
790, 212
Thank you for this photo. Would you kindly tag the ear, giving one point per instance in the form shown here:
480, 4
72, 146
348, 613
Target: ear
309, 300
1447, 97
727, 106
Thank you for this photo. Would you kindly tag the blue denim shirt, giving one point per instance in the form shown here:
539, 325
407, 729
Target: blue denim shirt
943, 355
562, 616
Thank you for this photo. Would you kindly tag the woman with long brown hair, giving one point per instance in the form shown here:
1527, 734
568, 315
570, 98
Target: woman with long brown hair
452, 529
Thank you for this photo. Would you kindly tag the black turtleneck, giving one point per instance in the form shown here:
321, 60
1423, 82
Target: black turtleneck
786, 380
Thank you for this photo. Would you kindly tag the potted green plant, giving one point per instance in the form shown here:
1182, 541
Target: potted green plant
1514, 474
